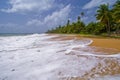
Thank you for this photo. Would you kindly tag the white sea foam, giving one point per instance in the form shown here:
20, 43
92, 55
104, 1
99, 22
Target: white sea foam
35, 57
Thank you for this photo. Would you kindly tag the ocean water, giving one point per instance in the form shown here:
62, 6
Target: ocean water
53, 57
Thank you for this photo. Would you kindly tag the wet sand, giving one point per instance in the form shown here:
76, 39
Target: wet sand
106, 43
97, 42
106, 65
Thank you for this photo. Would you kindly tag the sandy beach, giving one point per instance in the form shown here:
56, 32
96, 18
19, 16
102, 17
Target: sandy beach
101, 46
106, 43
97, 41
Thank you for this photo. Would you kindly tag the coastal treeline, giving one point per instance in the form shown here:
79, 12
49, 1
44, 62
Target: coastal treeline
107, 22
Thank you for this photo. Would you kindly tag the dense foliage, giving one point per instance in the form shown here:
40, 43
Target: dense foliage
108, 21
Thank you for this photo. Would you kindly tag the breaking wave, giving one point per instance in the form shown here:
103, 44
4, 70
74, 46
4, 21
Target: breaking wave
53, 57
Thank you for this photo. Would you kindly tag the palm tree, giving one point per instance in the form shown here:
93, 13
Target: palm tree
78, 19
116, 10
68, 23
82, 14
104, 16
116, 14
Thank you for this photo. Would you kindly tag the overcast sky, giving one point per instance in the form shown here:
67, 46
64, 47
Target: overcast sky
37, 16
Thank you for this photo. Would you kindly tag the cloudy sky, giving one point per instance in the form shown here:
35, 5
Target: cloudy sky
37, 16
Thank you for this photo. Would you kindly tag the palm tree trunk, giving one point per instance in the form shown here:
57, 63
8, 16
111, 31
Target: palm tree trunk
108, 30
118, 29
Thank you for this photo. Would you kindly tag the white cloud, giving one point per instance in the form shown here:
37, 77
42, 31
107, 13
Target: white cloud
35, 22
53, 20
28, 5
95, 3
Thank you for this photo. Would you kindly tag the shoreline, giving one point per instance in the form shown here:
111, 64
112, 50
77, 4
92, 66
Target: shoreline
98, 41
87, 35
69, 57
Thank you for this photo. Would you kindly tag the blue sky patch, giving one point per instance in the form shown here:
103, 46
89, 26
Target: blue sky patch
37, 16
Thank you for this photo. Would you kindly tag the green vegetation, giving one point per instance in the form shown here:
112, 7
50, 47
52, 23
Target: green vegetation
108, 23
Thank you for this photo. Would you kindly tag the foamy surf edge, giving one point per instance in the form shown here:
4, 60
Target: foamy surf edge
36, 57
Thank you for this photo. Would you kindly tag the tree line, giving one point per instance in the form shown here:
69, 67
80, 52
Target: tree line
108, 22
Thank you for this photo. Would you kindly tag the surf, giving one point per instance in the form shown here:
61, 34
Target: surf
54, 57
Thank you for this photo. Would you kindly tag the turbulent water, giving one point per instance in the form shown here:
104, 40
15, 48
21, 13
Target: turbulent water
55, 57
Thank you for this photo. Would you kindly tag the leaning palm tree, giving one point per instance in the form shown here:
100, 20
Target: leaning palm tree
104, 16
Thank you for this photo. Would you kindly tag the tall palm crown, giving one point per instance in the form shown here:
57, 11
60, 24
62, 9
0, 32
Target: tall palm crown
116, 11
104, 16
103, 13
82, 13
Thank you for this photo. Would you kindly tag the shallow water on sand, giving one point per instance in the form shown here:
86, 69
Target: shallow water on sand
55, 57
